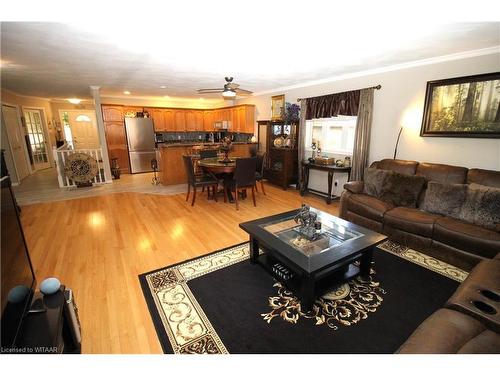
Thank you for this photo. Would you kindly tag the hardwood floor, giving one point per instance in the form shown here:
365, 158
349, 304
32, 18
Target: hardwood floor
99, 245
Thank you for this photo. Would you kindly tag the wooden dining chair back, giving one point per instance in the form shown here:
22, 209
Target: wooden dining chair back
259, 173
198, 181
244, 177
205, 154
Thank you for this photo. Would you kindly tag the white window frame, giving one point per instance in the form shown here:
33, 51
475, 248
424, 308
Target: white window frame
345, 122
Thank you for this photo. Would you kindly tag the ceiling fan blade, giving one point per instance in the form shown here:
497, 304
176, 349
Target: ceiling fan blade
209, 90
232, 85
242, 91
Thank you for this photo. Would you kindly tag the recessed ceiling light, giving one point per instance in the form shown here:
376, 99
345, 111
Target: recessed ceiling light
163, 87
74, 100
126, 92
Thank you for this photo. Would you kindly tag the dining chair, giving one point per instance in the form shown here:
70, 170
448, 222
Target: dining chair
259, 173
244, 178
198, 181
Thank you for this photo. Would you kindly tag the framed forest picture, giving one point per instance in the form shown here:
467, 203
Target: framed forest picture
463, 107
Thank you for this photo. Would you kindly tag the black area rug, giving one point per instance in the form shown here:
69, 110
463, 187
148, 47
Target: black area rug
220, 303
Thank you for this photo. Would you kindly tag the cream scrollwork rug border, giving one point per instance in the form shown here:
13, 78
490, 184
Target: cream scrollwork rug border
188, 328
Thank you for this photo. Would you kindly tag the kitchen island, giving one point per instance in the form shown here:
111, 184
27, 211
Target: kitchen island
171, 165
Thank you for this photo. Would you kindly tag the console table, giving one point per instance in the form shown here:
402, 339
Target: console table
331, 169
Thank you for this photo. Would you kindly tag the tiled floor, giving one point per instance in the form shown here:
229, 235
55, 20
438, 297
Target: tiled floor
42, 186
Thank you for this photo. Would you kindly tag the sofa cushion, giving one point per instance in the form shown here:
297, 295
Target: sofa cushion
448, 332
483, 177
444, 199
355, 187
400, 166
481, 206
373, 181
401, 189
411, 220
367, 206
443, 173
468, 237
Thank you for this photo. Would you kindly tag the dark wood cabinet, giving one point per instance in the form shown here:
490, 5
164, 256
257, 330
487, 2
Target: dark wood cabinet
282, 155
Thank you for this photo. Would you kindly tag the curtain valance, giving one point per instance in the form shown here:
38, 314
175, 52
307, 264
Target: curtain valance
342, 103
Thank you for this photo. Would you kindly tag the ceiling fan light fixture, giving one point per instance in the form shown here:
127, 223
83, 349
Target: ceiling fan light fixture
229, 94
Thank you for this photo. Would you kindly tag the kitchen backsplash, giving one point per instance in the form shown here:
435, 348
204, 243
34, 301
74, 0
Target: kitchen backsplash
199, 136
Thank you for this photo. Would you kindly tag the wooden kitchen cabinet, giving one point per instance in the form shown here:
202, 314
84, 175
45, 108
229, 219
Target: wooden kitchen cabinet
131, 111
116, 141
208, 120
169, 117
190, 120
180, 120
217, 115
158, 118
112, 113
198, 115
235, 122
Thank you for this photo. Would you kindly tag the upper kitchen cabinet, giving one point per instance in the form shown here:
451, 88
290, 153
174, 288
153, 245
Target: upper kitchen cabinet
198, 115
131, 111
217, 115
180, 120
208, 120
158, 117
190, 116
169, 116
112, 113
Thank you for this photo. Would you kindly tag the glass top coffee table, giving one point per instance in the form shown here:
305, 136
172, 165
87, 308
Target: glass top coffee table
311, 262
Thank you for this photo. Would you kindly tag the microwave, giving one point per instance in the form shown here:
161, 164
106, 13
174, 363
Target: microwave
221, 124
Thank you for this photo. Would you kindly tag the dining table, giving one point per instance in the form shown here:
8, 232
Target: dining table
219, 168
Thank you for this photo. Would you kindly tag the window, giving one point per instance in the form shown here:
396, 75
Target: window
335, 134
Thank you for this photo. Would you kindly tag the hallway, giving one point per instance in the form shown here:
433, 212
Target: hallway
42, 186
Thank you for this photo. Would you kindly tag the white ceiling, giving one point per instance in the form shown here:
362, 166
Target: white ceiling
56, 60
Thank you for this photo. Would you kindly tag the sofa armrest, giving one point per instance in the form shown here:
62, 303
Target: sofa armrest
355, 187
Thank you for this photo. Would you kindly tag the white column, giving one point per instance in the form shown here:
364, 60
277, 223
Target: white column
94, 91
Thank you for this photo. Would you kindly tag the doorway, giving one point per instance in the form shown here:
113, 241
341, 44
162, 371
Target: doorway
80, 129
38, 150
16, 141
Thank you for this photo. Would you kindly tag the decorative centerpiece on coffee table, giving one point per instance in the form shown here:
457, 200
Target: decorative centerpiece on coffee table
225, 147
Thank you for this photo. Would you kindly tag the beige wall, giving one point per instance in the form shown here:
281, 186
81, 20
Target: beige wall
21, 101
400, 101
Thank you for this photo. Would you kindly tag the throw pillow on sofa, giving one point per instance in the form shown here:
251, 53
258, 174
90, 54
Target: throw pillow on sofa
392, 187
402, 190
482, 206
373, 181
444, 199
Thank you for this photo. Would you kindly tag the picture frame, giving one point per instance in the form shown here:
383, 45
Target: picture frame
465, 107
277, 107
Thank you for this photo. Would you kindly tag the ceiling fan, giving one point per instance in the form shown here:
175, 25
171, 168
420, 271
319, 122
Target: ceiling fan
229, 91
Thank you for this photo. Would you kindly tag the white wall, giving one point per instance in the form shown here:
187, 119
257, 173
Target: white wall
401, 101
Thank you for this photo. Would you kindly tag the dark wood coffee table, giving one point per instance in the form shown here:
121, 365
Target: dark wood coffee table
317, 265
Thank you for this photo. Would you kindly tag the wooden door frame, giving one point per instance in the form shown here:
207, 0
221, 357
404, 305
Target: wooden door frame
46, 133
61, 118
25, 148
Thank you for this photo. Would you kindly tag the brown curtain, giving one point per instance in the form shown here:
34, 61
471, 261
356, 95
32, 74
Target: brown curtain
362, 135
342, 103
302, 137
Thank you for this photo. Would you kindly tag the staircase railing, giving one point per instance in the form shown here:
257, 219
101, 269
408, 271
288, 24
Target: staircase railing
61, 155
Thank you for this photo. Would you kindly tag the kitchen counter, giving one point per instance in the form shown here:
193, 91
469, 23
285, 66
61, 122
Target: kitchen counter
169, 155
191, 144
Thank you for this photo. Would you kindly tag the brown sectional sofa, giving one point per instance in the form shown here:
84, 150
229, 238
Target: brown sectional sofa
470, 320
453, 241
